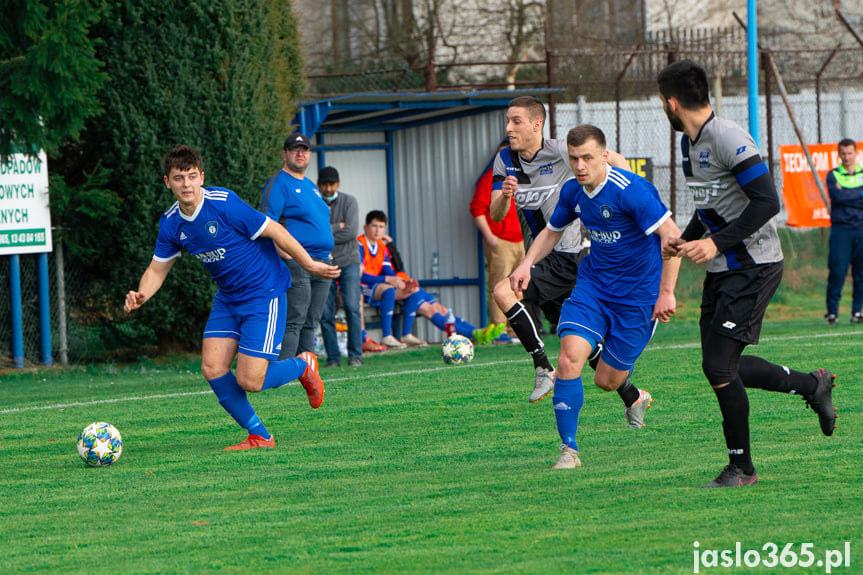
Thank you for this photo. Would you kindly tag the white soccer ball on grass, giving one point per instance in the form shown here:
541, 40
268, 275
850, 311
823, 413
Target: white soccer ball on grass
457, 349
100, 444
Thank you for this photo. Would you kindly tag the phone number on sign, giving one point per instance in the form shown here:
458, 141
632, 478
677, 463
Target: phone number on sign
770, 555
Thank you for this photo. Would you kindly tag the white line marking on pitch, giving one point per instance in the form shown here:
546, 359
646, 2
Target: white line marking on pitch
391, 374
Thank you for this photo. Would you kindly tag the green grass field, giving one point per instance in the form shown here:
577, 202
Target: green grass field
414, 466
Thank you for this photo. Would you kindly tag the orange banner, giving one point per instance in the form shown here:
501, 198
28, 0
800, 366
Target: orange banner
803, 201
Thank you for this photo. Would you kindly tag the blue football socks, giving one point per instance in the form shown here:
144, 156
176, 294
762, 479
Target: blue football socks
388, 303
234, 400
281, 372
409, 310
464, 328
439, 321
567, 400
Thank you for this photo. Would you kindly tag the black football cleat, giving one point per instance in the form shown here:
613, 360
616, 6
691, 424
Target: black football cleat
821, 400
733, 476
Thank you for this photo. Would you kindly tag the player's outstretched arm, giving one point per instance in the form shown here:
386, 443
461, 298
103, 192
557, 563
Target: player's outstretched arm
541, 247
287, 244
666, 303
153, 278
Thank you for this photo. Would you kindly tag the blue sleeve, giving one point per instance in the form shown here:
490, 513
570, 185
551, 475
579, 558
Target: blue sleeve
564, 212
644, 205
371, 280
167, 248
273, 198
243, 217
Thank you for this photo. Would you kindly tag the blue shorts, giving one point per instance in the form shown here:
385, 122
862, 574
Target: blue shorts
625, 329
369, 294
258, 324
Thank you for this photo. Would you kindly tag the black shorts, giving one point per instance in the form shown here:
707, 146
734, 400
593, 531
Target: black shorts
734, 302
551, 282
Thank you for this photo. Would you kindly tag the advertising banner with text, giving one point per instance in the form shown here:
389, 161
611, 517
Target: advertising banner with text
803, 201
25, 217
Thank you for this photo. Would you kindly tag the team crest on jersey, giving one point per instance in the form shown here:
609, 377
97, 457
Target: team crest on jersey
546, 170
704, 160
606, 212
212, 228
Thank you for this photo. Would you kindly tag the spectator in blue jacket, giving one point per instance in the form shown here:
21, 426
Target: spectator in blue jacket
845, 186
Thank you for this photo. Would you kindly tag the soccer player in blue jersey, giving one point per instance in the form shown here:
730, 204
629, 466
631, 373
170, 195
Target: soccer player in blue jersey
735, 204
531, 171
624, 285
237, 245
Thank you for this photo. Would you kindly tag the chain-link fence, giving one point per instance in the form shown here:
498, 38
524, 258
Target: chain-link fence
613, 89
823, 104
80, 338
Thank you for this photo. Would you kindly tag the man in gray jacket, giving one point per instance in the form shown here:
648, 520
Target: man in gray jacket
345, 224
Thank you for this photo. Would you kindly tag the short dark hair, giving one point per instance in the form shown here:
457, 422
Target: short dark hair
182, 158
685, 81
535, 109
844, 142
579, 135
376, 215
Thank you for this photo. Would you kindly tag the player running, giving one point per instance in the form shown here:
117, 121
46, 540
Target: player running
531, 170
625, 286
235, 243
735, 202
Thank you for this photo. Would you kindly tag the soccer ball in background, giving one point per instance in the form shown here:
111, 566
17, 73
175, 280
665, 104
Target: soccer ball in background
457, 349
100, 444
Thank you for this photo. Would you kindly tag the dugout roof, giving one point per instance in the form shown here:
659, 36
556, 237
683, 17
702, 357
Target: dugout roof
418, 157
393, 111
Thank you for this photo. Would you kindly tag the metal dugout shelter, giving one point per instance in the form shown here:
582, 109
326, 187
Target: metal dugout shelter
417, 157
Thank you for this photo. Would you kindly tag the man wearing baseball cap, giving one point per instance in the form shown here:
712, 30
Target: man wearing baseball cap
293, 200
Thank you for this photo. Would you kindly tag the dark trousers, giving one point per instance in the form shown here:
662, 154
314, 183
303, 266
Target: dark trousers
846, 248
349, 283
306, 298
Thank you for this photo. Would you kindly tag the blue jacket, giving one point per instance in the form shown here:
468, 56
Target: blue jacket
846, 197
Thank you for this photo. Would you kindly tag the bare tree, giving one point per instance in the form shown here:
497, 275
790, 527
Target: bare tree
521, 23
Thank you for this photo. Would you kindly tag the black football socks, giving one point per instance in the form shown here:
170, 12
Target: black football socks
525, 329
734, 405
758, 373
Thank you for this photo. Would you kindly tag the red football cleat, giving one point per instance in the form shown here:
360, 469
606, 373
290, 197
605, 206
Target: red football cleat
311, 379
372, 345
253, 442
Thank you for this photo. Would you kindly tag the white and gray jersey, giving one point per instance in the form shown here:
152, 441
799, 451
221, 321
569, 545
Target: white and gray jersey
721, 161
539, 182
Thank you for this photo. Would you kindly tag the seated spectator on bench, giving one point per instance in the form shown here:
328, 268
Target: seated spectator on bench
383, 286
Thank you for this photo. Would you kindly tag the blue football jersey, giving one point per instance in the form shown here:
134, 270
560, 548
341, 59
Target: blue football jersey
298, 205
625, 260
224, 235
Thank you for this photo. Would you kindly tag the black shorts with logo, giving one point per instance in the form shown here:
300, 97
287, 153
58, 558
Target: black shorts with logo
552, 280
734, 302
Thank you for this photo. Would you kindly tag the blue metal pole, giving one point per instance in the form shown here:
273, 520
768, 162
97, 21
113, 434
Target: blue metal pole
391, 187
15, 296
752, 68
483, 306
44, 310
322, 154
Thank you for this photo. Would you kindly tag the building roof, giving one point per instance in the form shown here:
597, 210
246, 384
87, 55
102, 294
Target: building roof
388, 111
